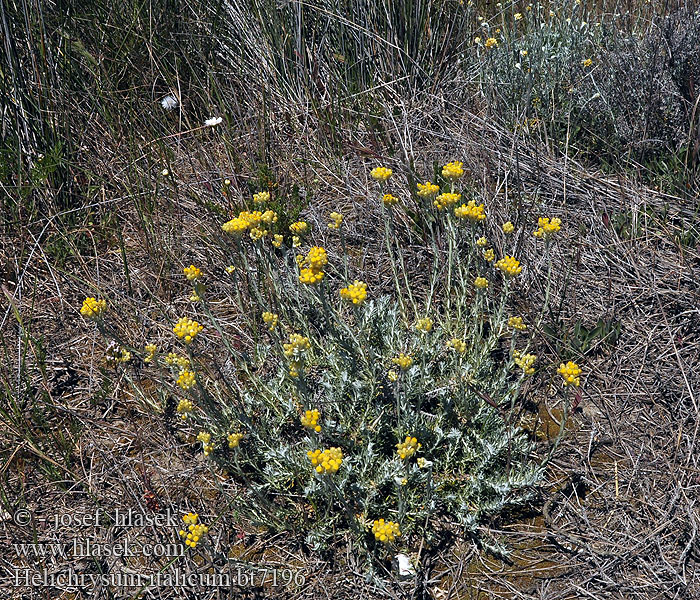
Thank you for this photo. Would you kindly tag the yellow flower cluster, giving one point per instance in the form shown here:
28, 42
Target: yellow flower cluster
385, 531
446, 200
261, 197
173, 359
235, 226
294, 351
187, 329
195, 530
587, 62
234, 439
425, 325
509, 266
270, 319
547, 227
403, 361
481, 283
310, 419
277, 240
151, 349
92, 308
381, 173
508, 227
571, 373
326, 461
491, 42
517, 323
337, 220
525, 362
482, 242
192, 273
296, 346
428, 190
489, 255
453, 170
299, 227
205, 438
459, 346
355, 292
389, 200
256, 234
184, 407
186, 379
312, 266
471, 211
407, 448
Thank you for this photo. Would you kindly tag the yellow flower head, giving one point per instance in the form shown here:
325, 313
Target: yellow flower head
407, 448
481, 283
547, 227
571, 373
184, 408
261, 197
446, 200
482, 242
489, 255
428, 190
509, 266
311, 265
192, 273
337, 220
234, 440
253, 218
186, 329
256, 233
453, 170
186, 379
389, 200
491, 42
277, 240
230, 269
269, 217
310, 420
317, 258
459, 346
235, 226
151, 349
195, 531
392, 375
381, 173
425, 325
355, 292
403, 361
385, 531
587, 62
326, 461
297, 346
508, 227
299, 227
517, 323
525, 361
92, 308
518, 16
270, 319
471, 211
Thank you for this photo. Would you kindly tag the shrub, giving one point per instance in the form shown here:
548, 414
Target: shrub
389, 418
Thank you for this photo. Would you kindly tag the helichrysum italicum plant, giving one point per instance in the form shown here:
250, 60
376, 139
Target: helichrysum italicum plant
401, 383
